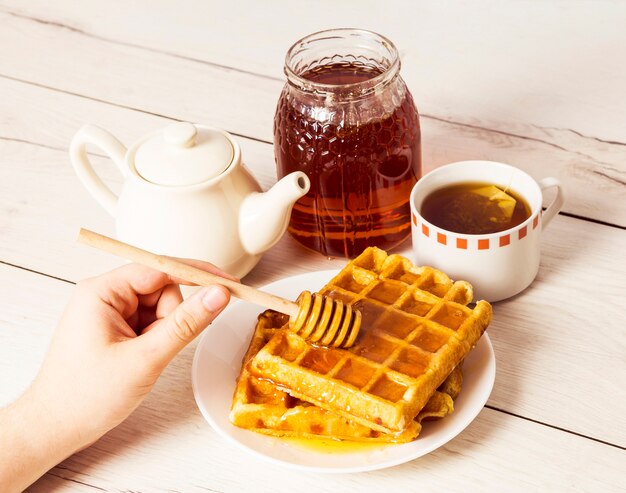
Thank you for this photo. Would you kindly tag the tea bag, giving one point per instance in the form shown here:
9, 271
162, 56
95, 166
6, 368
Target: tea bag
503, 203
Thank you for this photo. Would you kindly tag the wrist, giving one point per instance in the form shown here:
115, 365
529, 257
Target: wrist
32, 441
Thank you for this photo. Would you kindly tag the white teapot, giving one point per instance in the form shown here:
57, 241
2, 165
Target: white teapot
187, 194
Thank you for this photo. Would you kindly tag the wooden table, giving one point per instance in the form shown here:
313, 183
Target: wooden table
539, 85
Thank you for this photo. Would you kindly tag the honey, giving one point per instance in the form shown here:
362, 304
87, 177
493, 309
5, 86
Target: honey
329, 446
351, 125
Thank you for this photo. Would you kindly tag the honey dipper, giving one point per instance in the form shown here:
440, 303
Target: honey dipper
316, 318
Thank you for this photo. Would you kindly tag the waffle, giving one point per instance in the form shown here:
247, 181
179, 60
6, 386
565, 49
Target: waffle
260, 406
416, 329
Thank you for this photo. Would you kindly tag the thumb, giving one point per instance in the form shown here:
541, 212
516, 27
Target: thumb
186, 322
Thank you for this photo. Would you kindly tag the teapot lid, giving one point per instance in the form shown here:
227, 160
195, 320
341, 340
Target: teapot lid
184, 154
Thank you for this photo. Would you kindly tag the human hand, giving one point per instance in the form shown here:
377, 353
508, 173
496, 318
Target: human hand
117, 334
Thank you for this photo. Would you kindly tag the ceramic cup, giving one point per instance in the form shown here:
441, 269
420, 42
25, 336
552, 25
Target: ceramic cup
498, 265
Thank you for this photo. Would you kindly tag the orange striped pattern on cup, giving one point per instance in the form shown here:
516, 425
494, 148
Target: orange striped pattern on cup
463, 242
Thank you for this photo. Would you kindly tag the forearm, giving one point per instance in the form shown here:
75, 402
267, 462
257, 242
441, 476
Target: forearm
32, 441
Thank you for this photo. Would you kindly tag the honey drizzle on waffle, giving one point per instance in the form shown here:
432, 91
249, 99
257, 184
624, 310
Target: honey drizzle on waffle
260, 406
416, 329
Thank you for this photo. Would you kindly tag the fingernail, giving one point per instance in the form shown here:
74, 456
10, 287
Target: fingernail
214, 299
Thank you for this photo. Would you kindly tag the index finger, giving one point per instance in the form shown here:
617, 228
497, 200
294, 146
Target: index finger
143, 280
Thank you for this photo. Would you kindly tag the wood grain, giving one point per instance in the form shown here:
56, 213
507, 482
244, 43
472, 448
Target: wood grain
49, 215
495, 453
591, 167
167, 446
538, 85
532, 70
541, 336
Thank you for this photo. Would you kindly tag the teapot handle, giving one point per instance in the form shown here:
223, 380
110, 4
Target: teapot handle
90, 134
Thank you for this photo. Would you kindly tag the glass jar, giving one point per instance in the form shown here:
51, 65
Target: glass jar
346, 118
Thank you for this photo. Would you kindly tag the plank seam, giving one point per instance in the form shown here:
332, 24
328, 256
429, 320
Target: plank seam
280, 79
60, 25
76, 481
580, 134
591, 220
36, 272
118, 105
493, 408
243, 136
554, 427
532, 139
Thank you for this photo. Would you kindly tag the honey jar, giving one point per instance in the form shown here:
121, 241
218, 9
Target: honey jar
346, 118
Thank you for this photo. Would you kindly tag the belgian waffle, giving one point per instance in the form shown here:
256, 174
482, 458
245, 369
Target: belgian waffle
260, 406
416, 329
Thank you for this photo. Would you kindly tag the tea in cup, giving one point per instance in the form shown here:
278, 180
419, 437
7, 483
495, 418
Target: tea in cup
481, 221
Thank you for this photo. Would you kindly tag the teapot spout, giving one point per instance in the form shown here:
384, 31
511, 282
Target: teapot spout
263, 217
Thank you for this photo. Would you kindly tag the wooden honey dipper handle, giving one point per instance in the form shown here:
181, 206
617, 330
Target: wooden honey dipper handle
317, 318
187, 272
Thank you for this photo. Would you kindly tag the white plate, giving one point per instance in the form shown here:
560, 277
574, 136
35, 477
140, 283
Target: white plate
217, 362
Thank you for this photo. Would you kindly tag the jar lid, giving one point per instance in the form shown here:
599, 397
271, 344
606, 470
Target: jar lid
183, 154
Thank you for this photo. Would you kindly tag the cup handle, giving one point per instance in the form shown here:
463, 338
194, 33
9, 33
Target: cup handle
556, 205
90, 134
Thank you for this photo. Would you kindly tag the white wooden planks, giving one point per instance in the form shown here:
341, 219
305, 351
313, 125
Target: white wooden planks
166, 444
543, 64
43, 203
590, 166
533, 84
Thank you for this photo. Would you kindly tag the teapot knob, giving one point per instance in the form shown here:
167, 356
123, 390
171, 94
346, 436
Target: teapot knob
181, 134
